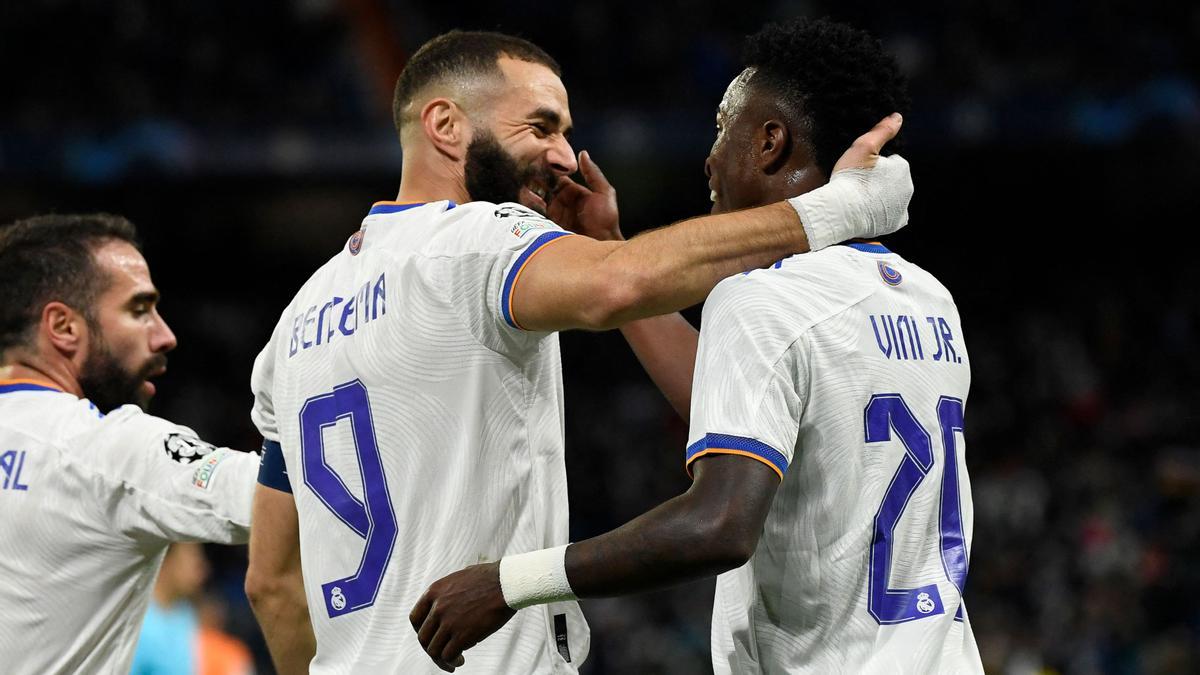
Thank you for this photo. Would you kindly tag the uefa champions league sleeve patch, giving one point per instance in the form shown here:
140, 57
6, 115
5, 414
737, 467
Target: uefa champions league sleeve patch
523, 220
202, 476
186, 449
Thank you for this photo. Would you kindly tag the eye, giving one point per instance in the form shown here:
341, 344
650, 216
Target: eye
540, 129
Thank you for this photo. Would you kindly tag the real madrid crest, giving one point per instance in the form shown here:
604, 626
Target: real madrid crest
891, 275
356, 241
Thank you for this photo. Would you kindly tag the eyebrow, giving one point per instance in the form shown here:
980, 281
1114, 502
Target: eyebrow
552, 118
151, 297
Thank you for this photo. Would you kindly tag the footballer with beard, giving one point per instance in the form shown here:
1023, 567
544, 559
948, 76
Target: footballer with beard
92, 489
410, 396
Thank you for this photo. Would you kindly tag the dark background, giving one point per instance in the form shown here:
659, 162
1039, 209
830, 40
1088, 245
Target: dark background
1053, 150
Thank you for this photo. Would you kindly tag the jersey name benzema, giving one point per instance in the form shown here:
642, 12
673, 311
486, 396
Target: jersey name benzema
421, 430
845, 372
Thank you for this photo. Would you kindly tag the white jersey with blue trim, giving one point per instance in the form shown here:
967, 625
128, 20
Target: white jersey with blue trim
421, 431
846, 373
88, 506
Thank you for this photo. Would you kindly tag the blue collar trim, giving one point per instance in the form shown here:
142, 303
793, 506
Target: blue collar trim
25, 386
387, 207
867, 247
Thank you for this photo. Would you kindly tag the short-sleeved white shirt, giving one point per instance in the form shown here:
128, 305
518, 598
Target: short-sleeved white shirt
845, 371
88, 506
422, 431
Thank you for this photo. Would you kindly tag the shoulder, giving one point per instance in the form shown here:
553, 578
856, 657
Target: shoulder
50, 417
129, 432
795, 292
914, 274
484, 227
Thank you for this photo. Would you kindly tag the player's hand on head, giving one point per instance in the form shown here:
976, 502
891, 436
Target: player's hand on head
866, 197
590, 209
458, 611
864, 152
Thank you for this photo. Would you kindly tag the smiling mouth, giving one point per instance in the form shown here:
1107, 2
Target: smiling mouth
542, 192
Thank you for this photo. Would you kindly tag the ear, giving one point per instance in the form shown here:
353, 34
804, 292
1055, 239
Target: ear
447, 127
774, 143
64, 328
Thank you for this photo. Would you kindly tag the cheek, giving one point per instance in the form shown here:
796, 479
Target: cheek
128, 339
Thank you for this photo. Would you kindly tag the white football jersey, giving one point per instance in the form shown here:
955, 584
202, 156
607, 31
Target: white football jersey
422, 431
88, 505
844, 371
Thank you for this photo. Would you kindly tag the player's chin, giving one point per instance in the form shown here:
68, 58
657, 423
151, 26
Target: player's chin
145, 392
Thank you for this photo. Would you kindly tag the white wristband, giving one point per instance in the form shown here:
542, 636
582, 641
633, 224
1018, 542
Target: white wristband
535, 578
857, 203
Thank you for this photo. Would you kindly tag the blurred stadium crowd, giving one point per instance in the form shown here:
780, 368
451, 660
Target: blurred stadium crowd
1054, 155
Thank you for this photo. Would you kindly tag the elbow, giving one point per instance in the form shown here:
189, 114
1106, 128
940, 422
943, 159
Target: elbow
257, 587
730, 543
262, 587
617, 299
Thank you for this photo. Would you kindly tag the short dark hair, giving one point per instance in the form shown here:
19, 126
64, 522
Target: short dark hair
464, 54
839, 79
52, 258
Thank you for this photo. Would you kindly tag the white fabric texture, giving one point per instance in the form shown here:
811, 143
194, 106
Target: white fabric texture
464, 423
789, 361
86, 521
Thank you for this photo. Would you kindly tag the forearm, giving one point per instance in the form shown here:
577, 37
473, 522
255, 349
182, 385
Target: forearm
666, 347
676, 267
669, 545
282, 610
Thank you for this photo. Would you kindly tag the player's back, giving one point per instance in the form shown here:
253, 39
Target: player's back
422, 432
864, 552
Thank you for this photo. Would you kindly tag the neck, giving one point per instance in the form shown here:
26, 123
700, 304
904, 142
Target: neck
61, 376
794, 181
426, 180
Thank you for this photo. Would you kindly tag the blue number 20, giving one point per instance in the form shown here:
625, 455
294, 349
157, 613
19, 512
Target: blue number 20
373, 518
884, 414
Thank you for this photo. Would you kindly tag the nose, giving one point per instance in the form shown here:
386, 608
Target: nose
162, 338
561, 157
708, 167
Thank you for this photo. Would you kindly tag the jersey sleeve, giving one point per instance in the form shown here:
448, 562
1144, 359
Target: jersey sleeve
160, 482
505, 238
262, 379
751, 375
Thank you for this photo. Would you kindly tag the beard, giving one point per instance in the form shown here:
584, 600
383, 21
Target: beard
107, 384
493, 175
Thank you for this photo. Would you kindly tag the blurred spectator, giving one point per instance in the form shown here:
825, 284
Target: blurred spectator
178, 639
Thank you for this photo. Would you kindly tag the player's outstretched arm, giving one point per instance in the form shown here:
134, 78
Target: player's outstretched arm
666, 347
712, 528
274, 583
582, 283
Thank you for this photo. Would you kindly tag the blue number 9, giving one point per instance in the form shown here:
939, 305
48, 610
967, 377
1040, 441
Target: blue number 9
373, 518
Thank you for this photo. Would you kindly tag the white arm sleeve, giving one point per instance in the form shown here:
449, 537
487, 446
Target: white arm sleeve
261, 381
482, 275
159, 482
750, 372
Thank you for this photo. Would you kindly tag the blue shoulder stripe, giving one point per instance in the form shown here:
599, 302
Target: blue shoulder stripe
715, 444
515, 272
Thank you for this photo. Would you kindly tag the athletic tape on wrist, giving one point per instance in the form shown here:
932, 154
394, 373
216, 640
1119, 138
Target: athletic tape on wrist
535, 578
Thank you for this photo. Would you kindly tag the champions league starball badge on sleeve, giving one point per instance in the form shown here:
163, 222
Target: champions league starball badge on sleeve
186, 449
